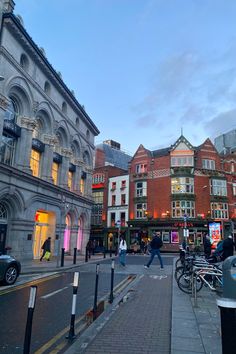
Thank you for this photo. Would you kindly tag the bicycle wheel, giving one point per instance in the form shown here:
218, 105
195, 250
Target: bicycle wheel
178, 263
178, 271
185, 283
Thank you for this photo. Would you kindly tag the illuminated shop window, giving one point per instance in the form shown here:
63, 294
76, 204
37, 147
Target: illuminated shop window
182, 208
35, 162
55, 169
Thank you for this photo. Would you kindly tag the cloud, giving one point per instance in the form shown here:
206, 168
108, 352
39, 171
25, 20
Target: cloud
221, 123
146, 121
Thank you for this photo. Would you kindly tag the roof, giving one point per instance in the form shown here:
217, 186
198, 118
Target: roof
115, 157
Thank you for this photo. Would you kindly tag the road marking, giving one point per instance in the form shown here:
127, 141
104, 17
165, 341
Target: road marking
159, 277
54, 292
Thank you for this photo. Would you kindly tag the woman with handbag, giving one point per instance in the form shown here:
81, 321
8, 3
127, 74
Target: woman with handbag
46, 247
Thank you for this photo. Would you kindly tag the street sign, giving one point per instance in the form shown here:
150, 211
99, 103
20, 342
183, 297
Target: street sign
186, 232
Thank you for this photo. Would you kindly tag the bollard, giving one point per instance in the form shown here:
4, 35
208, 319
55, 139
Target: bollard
62, 256
104, 253
28, 329
96, 294
111, 298
71, 334
74, 258
86, 254
227, 306
110, 252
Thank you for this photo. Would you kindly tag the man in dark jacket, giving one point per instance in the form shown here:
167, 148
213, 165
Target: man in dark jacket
228, 247
207, 246
46, 247
155, 244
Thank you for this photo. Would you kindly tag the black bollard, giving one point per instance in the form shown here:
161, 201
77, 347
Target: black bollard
28, 329
86, 254
110, 252
111, 298
96, 294
104, 253
71, 334
62, 256
74, 258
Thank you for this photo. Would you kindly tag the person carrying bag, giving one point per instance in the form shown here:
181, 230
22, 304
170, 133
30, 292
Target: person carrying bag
46, 247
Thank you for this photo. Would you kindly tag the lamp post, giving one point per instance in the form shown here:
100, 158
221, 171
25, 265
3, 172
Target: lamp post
62, 214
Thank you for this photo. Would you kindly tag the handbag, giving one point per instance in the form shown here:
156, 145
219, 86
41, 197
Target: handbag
47, 255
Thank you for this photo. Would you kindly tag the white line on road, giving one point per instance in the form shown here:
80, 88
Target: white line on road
54, 292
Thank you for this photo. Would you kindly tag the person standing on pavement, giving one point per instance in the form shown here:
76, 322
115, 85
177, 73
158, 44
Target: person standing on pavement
46, 247
122, 251
207, 246
228, 247
155, 244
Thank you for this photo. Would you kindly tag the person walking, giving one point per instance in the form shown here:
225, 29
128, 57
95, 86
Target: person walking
122, 251
46, 247
155, 244
228, 247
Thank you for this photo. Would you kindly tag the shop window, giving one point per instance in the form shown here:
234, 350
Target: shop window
70, 180
35, 162
174, 237
182, 185
191, 238
218, 187
166, 237
208, 164
55, 170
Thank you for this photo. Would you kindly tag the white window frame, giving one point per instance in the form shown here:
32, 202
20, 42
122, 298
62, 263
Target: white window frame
208, 164
141, 189
182, 185
219, 210
177, 161
219, 187
140, 209
234, 188
182, 208
141, 168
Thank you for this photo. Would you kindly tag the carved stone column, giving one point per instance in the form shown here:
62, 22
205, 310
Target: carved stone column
78, 164
24, 147
46, 167
88, 183
66, 153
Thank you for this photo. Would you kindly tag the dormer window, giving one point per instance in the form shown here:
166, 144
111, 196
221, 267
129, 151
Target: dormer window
141, 168
208, 164
177, 161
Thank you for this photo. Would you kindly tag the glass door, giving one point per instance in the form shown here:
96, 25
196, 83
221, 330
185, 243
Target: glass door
40, 235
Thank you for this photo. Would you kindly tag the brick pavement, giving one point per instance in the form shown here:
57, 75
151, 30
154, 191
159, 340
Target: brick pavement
140, 325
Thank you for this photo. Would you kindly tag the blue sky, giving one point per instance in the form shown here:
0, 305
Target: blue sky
143, 69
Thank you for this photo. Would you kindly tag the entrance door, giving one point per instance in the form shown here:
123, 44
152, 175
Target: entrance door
40, 235
3, 233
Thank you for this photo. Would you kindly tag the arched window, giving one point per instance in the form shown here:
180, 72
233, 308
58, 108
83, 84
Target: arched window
47, 88
3, 214
24, 62
12, 110
64, 107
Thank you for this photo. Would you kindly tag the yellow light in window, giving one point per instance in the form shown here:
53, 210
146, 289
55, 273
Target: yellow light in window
34, 162
70, 179
55, 168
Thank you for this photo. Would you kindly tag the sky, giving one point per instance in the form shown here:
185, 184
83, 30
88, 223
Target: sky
145, 70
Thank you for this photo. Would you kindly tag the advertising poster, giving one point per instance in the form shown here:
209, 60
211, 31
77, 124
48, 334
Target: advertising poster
214, 233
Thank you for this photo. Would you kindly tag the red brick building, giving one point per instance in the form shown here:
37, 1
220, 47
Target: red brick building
180, 188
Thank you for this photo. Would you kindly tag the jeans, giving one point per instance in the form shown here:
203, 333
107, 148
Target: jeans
155, 252
122, 257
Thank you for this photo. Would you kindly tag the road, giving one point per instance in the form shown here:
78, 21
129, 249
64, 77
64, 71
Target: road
53, 304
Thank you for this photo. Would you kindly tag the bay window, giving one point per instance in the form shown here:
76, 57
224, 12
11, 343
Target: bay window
218, 187
182, 185
182, 208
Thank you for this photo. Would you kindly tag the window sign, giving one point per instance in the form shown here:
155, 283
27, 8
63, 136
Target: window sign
165, 237
174, 237
214, 233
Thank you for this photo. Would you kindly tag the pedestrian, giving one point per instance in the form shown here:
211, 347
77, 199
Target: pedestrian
207, 246
46, 247
155, 244
122, 251
228, 247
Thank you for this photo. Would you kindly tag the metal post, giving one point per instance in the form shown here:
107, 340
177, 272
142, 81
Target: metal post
110, 252
86, 254
71, 334
28, 329
74, 258
96, 294
104, 253
112, 281
62, 256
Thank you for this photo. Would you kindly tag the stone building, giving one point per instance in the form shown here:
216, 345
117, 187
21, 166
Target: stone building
46, 149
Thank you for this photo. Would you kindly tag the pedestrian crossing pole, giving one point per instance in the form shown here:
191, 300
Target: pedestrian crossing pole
112, 281
95, 306
71, 334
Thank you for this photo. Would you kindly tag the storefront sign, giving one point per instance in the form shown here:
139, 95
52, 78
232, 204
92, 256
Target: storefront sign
182, 224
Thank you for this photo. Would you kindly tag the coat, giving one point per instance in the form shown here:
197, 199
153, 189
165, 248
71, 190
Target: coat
228, 248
